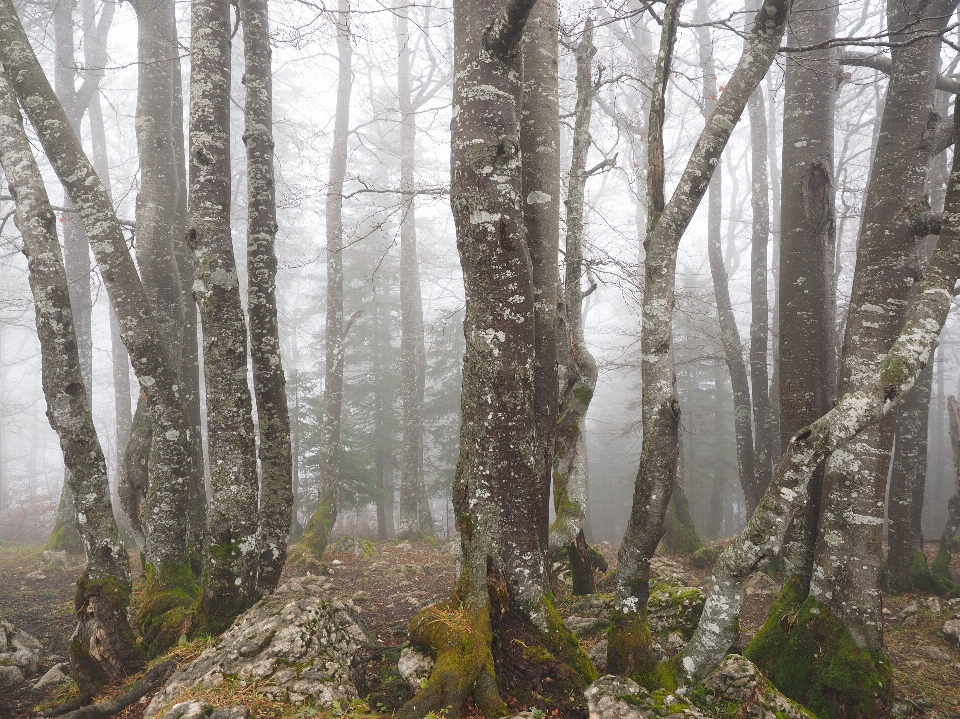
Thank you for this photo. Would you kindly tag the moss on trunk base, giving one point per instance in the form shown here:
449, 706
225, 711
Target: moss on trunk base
169, 604
811, 658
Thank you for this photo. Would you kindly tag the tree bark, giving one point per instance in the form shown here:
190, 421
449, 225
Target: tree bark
415, 517
855, 479
269, 382
156, 370
577, 374
540, 195
230, 556
315, 536
629, 645
858, 409
502, 586
807, 362
729, 332
103, 647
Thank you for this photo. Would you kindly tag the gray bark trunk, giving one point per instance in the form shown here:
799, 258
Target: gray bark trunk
874, 398
318, 529
415, 518
855, 479
103, 647
807, 361
230, 556
660, 407
269, 382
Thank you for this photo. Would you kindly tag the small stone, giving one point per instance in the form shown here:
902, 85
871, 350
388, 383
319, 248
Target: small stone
61, 559
935, 653
933, 605
759, 584
36, 575
584, 626
54, 677
235, 712
405, 546
598, 655
414, 666
193, 709
951, 630
336, 562
10, 677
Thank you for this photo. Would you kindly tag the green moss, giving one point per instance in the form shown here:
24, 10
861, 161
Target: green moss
630, 646
680, 535
811, 658
941, 565
168, 608
65, 537
704, 557
583, 394
565, 645
112, 600
931, 580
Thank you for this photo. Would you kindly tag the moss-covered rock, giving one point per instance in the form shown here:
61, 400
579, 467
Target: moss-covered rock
674, 609
738, 689
357, 547
810, 656
704, 557
613, 697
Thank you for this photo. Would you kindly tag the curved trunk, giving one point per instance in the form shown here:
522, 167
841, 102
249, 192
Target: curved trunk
103, 647
629, 646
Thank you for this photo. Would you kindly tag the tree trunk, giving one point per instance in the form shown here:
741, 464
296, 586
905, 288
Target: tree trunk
874, 398
166, 503
230, 558
629, 643
381, 420
269, 382
855, 479
317, 533
577, 367
103, 647
415, 519
807, 367
502, 587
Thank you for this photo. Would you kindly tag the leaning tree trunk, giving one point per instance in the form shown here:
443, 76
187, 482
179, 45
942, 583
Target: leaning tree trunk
848, 582
103, 647
499, 494
229, 583
269, 383
415, 518
318, 529
729, 332
953, 518
629, 639
878, 394
169, 582
577, 367
806, 371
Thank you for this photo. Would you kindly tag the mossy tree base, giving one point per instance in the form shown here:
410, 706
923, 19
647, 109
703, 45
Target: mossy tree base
65, 538
103, 648
630, 646
497, 657
680, 534
169, 605
811, 658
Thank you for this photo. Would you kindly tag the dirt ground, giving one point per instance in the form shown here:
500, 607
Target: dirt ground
390, 588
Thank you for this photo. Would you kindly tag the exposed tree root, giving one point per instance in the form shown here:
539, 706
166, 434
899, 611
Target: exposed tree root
151, 680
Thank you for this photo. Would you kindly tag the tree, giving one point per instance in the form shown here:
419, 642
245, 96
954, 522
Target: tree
500, 487
103, 647
629, 638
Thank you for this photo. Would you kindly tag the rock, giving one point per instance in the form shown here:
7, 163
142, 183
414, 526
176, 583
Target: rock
908, 615
935, 653
674, 609
54, 677
20, 650
613, 697
663, 570
591, 606
951, 608
759, 584
36, 575
585, 626
405, 546
235, 712
298, 644
61, 559
450, 548
357, 547
951, 630
933, 606
10, 677
414, 667
193, 709
598, 655
738, 684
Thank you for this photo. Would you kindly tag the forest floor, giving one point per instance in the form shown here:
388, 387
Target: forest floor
390, 588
